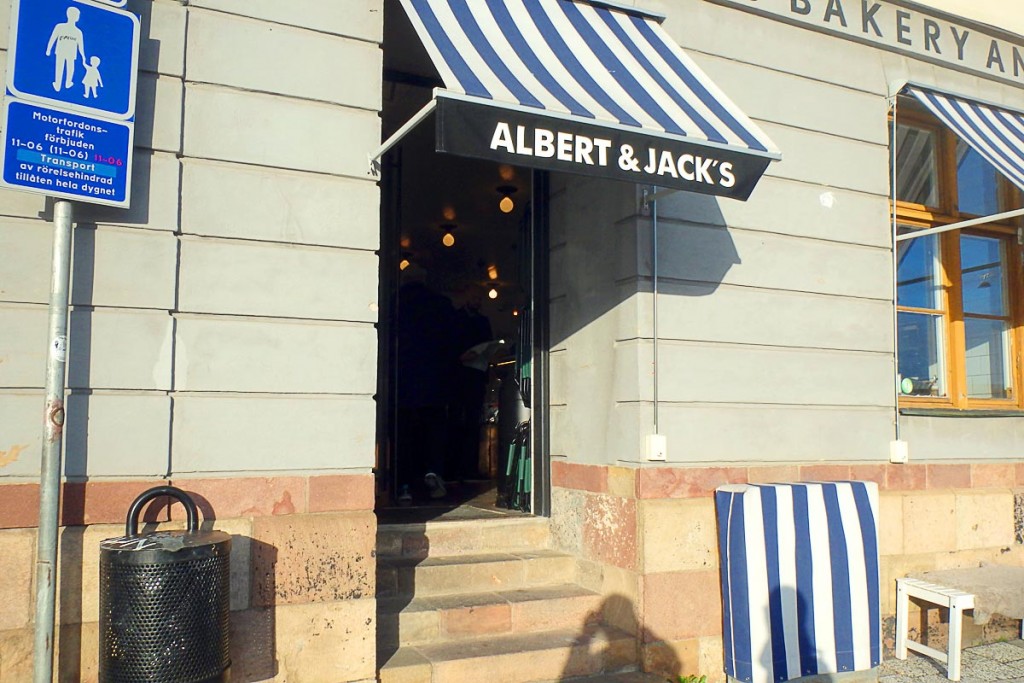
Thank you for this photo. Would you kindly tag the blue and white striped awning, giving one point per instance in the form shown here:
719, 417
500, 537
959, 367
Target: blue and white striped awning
584, 62
996, 133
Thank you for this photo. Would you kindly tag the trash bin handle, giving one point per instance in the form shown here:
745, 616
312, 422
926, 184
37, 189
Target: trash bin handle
131, 526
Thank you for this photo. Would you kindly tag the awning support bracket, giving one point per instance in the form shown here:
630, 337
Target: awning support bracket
962, 224
653, 196
397, 136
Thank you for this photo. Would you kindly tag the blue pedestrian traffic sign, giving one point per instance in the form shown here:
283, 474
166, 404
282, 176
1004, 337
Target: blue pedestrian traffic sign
66, 155
69, 118
74, 54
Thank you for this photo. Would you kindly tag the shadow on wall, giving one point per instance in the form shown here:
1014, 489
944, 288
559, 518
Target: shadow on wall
789, 621
398, 556
77, 647
253, 590
254, 630
602, 255
253, 596
604, 647
84, 259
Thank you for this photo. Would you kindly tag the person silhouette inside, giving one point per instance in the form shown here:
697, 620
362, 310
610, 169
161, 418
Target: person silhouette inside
426, 359
92, 77
469, 380
69, 43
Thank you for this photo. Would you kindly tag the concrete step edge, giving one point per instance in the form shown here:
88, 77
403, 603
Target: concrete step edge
528, 648
476, 574
477, 599
402, 621
466, 524
461, 537
471, 558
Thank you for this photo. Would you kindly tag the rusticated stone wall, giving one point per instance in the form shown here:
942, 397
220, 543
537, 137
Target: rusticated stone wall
302, 573
650, 535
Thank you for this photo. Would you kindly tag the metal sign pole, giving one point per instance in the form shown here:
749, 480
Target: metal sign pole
53, 437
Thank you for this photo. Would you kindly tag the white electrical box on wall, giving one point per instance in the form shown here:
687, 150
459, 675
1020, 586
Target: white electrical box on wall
655, 447
899, 452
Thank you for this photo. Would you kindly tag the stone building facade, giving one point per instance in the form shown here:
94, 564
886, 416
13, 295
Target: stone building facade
223, 335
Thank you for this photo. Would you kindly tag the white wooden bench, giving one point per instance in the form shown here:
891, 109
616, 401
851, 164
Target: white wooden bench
956, 601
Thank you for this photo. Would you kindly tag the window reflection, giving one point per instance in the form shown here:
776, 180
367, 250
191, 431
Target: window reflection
981, 265
986, 316
976, 181
921, 353
988, 373
917, 179
958, 316
919, 284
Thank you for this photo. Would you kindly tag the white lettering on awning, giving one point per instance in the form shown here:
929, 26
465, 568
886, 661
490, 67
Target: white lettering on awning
585, 150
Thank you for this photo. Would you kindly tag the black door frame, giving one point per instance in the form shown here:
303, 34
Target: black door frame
389, 253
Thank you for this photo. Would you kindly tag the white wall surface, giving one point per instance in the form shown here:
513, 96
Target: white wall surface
775, 314
236, 298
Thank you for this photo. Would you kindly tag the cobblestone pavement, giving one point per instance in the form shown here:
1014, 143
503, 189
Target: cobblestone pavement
981, 664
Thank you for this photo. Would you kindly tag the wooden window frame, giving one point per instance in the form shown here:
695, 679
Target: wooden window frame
923, 217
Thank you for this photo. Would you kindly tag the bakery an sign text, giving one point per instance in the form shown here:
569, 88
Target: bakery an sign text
904, 28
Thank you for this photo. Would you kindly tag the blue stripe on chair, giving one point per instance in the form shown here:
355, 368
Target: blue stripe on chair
740, 593
804, 583
842, 618
722, 506
770, 511
869, 531
844, 536
982, 127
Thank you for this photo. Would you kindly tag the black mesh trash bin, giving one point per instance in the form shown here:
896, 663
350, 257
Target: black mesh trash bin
165, 601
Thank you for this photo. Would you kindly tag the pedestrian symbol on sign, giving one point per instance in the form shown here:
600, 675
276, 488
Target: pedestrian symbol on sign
92, 77
70, 43
75, 54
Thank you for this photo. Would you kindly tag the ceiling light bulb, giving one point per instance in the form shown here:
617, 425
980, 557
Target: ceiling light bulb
448, 240
403, 264
506, 204
492, 272
492, 294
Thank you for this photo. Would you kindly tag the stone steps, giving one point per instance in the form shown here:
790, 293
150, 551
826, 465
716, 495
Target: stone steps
463, 537
459, 574
463, 602
402, 621
518, 658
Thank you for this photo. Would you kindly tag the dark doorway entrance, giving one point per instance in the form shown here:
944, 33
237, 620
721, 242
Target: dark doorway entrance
463, 314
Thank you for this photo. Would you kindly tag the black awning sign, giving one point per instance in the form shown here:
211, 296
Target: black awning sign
538, 141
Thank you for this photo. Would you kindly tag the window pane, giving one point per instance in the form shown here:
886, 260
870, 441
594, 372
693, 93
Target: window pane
981, 265
988, 375
918, 279
921, 364
916, 176
976, 182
